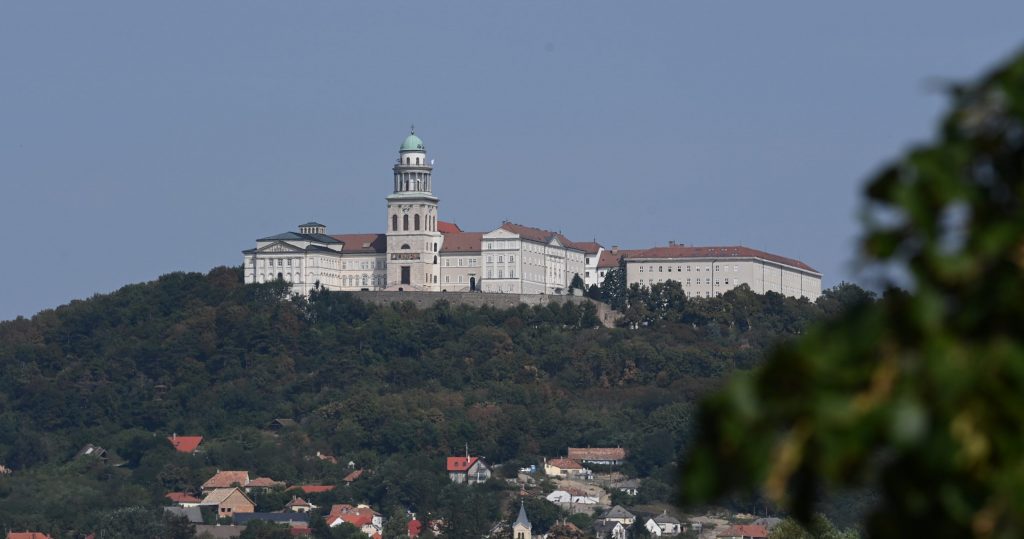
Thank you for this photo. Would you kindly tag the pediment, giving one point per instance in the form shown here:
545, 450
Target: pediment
500, 233
279, 247
554, 242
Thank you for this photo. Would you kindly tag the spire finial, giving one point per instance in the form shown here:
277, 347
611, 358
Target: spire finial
412, 129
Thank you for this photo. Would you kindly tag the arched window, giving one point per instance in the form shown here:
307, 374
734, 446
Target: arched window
435, 246
435, 259
416, 219
394, 223
417, 160
405, 246
406, 160
405, 222
365, 283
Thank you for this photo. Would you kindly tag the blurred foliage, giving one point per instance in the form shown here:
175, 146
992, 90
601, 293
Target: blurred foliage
919, 395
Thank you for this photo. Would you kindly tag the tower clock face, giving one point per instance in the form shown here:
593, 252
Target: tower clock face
405, 209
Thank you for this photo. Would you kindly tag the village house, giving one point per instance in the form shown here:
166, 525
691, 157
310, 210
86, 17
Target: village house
229, 501
281, 424
467, 469
183, 499
293, 520
619, 514
239, 478
352, 476
627, 486
298, 505
604, 456
185, 444
743, 531
312, 489
361, 516
609, 529
566, 469
27, 535
571, 496
668, 525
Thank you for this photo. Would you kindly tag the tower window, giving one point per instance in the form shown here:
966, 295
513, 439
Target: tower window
405, 222
406, 160
416, 220
417, 160
394, 223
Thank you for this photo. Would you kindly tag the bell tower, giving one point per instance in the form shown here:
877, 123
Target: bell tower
413, 240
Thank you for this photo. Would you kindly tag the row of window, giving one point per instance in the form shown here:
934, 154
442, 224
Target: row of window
501, 258
430, 222
690, 281
679, 268
501, 273
448, 262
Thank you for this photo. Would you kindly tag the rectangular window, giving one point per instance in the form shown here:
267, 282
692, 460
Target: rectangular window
490, 273
641, 269
447, 278
709, 280
490, 259
511, 258
501, 258
501, 273
687, 268
511, 274
687, 281
661, 269
717, 267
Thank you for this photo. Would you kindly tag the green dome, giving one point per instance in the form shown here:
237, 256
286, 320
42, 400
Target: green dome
412, 144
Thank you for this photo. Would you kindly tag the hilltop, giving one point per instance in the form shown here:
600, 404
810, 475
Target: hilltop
393, 389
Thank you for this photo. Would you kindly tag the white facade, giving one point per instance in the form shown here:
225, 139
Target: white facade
525, 260
416, 254
711, 271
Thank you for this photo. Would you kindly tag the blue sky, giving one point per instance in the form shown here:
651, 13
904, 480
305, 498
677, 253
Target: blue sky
140, 138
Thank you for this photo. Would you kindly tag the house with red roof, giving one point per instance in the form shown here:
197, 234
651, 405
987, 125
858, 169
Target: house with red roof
468, 470
606, 456
414, 528
520, 259
182, 499
565, 468
185, 444
27, 535
361, 516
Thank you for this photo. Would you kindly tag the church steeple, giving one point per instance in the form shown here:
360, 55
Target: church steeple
521, 528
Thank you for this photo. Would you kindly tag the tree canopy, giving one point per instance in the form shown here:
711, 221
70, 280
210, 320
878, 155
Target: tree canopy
917, 395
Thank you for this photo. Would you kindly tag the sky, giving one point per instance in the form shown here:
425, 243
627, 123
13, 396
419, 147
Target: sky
143, 138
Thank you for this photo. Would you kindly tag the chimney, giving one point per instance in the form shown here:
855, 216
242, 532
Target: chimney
615, 249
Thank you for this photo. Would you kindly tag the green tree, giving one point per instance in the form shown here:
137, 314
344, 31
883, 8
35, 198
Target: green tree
261, 529
917, 394
397, 525
819, 527
139, 522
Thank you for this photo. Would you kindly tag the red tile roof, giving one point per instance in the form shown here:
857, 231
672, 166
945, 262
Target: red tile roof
185, 444
461, 464
589, 247
264, 482
298, 502
744, 530
462, 242
227, 479
597, 453
181, 497
357, 516
414, 528
445, 227
363, 243
734, 251
565, 464
313, 489
300, 531
353, 476
611, 260
27, 535
539, 235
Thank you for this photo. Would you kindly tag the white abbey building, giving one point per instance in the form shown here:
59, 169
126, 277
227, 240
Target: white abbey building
420, 252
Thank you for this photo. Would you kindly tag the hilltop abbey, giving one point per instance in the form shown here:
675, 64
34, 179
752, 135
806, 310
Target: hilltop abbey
421, 252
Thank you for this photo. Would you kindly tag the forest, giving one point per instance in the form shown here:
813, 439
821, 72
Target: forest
391, 388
